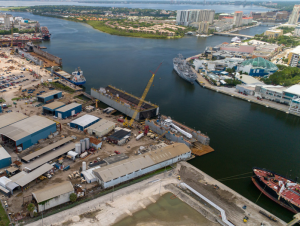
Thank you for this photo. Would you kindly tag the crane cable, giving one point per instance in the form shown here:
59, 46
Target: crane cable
260, 194
234, 176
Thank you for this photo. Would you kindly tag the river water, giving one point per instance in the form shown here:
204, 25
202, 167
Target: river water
243, 134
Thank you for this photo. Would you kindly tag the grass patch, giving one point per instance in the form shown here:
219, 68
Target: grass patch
3, 217
61, 87
102, 27
2, 100
16, 98
82, 97
12, 8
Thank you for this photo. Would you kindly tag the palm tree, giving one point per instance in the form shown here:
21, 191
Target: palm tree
30, 209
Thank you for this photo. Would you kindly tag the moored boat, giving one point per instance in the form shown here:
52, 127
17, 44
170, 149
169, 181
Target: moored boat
280, 189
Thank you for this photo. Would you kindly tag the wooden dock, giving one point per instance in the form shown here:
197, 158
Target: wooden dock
200, 149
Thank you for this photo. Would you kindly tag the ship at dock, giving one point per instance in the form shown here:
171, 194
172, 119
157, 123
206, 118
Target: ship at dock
282, 190
45, 33
183, 69
76, 78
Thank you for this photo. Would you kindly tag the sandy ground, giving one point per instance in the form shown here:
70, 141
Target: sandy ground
111, 208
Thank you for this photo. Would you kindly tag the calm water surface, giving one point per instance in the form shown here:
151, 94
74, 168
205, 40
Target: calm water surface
243, 134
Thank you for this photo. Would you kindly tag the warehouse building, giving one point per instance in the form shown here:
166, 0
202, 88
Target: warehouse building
5, 158
84, 121
50, 108
49, 96
53, 195
47, 149
136, 166
10, 118
28, 132
68, 110
101, 128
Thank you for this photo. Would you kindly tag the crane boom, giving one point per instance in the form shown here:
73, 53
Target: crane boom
143, 97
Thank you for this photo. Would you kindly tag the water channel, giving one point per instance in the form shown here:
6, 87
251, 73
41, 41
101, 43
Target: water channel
243, 134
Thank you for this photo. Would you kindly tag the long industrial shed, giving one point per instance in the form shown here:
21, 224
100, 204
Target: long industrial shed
46, 149
10, 118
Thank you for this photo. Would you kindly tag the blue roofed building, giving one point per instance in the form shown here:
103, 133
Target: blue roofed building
50, 108
84, 121
258, 67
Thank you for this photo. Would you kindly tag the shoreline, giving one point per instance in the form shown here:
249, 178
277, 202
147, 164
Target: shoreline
113, 207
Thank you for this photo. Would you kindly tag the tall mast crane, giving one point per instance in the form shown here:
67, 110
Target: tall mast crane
126, 124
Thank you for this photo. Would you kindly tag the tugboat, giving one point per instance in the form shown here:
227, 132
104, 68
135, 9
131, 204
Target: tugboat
282, 190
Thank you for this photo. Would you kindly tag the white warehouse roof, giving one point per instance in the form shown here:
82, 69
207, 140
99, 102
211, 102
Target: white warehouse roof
85, 120
295, 89
124, 167
68, 107
103, 124
53, 191
3, 153
10, 118
26, 127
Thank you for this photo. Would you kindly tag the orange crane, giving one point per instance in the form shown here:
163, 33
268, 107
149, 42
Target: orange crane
129, 124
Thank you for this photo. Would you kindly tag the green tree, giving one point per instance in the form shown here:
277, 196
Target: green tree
73, 197
30, 209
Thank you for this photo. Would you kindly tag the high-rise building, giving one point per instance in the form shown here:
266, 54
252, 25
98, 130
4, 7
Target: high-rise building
185, 17
238, 18
203, 27
294, 17
7, 21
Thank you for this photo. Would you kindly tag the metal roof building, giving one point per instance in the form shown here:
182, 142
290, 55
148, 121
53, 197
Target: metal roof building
136, 166
28, 132
26, 178
50, 156
5, 158
50, 108
101, 128
68, 110
54, 195
84, 122
10, 118
49, 96
46, 149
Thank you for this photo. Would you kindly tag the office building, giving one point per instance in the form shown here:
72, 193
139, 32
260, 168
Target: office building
203, 27
294, 15
294, 57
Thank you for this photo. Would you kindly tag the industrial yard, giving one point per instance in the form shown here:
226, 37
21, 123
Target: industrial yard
61, 140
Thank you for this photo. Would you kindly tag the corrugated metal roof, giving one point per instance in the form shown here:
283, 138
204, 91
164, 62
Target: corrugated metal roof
50, 93
48, 157
26, 179
26, 127
18, 176
54, 105
47, 148
53, 191
10, 118
136, 163
68, 107
3, 153
85, 120
103, 124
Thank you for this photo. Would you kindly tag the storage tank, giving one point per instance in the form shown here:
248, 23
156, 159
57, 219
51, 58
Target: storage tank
82, 142
83, 166
87, 143
78, 148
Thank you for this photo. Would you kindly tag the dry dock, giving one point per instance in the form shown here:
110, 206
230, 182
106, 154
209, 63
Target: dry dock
46, 62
